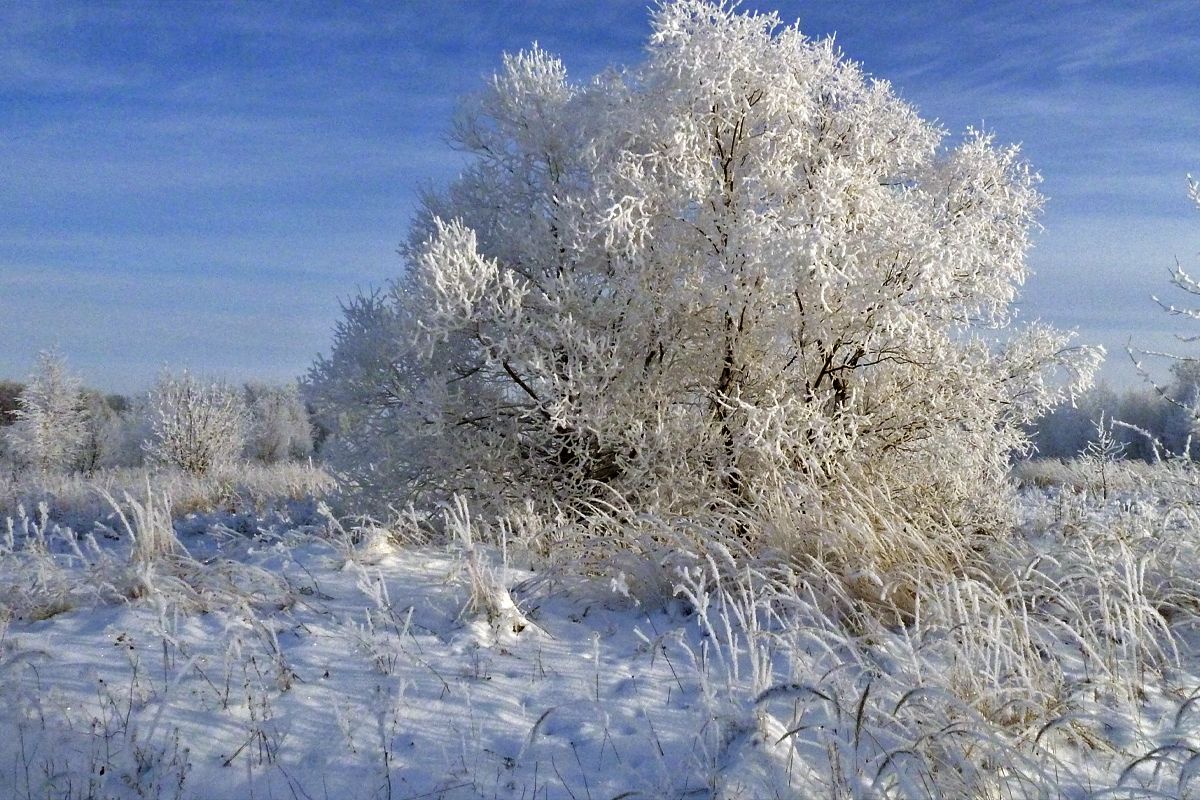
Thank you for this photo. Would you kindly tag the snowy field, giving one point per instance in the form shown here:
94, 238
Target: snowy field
293, 658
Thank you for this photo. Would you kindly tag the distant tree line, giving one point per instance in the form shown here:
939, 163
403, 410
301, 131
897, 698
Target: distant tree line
1150, 422
52, 424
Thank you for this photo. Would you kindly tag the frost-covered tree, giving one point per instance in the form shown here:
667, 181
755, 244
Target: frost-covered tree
126, 441
51, 416
100, 433
741, 281
194, 425
279, 429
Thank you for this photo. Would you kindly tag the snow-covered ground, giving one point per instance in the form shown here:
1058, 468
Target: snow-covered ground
290, 659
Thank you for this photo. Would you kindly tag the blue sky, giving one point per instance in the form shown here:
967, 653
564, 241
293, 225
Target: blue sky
197, 183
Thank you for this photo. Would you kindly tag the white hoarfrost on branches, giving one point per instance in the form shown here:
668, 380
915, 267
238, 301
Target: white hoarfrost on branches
52, 418
742, 284
194, 425
279, 429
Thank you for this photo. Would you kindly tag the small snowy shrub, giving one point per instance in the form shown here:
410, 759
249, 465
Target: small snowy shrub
125, 441
103, 437
741, 284
279, 429
52, 419
194, 426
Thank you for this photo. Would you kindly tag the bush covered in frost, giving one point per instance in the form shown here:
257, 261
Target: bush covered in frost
741, 287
